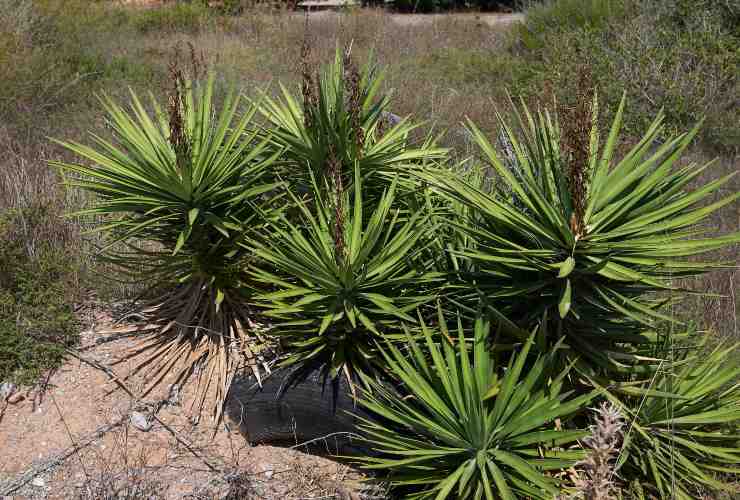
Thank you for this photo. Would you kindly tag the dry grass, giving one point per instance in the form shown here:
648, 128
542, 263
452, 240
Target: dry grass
123, 473
424, 75
717, 308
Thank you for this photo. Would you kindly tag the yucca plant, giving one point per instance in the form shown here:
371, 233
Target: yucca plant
459, 425
175, 194
585, 240
342, 278
342, 122
683, 425
448, 239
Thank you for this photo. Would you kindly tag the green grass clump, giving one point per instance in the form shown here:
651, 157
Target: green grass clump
566, 15
37, 288
180, 17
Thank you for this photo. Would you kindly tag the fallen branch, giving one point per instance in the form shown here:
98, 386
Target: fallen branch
157, 406
10, 486
326, 438
95, 364
185, 443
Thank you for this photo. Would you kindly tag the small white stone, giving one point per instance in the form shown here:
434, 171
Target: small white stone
140, 421
174, 396
39, 482
15, 398
6, 390
267, 470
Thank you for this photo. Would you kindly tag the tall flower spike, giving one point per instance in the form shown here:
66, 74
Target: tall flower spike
177, 110
596, 471
335, 173
310, 99
577, 123
352, 90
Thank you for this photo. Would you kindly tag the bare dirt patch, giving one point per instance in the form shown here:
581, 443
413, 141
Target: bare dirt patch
79, 440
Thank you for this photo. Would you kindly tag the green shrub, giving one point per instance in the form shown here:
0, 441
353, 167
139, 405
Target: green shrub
425, 6
685, 423
234, 7
348, 266
677, 55
344, 275
568, 15
418, 5
38, 285
341, 121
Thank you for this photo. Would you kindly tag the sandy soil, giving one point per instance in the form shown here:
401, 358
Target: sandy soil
176, 457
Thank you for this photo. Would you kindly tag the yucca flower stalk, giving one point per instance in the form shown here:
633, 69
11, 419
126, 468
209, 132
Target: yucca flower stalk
596, 267
596, 478
341, 120
458, 425
175, 193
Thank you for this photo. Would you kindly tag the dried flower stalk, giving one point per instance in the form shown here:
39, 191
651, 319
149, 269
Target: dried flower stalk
353, 92
308, 81
334, 168
176, 104
575, 144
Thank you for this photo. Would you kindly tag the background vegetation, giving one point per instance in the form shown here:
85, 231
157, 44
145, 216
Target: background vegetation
37, 294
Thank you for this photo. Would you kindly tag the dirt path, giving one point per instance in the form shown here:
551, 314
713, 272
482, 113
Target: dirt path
174, 459
493, 20
404, 20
